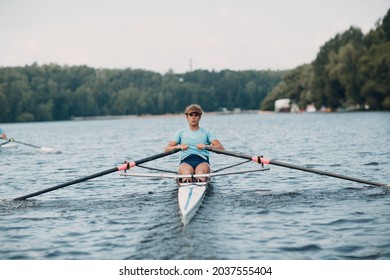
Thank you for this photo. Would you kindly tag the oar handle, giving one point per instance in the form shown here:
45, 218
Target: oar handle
132, 164
257, 159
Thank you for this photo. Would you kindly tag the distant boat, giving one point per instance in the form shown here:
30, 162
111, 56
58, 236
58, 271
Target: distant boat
282, 105
310, 108
225, 111
8, 145
286, 105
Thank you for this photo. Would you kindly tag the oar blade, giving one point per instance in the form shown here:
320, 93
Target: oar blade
49, 150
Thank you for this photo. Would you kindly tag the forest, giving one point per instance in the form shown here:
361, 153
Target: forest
52, 92
350, 71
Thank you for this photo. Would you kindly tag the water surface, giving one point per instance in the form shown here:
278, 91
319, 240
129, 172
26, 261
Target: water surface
278, 214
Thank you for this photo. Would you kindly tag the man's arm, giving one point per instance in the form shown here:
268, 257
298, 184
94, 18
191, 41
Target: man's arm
170, 146
215, 144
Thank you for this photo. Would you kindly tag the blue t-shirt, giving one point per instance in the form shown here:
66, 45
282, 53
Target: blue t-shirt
193, 138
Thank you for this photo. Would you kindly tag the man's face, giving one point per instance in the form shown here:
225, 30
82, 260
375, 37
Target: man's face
193, 118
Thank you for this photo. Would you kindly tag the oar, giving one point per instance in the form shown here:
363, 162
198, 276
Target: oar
297, 167
43, 149
1, 144
124, 166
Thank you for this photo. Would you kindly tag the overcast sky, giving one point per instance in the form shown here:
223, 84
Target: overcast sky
177, 34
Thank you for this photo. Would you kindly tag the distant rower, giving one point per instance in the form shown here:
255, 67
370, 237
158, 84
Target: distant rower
2, 134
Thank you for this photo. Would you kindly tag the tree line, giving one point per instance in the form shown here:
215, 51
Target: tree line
53, 92
351, 70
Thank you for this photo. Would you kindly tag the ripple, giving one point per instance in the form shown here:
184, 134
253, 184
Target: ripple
278, 214
304, 248
372, 163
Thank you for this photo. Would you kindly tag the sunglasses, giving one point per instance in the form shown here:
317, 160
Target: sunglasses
193, 114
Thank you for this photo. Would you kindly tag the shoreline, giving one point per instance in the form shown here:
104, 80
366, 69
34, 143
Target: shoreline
246, 112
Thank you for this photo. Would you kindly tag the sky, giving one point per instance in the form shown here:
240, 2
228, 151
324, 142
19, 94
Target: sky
177, 35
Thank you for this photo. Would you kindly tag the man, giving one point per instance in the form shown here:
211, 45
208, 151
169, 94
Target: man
2, 134
194, 157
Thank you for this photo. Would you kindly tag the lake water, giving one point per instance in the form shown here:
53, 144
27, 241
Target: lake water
279, 214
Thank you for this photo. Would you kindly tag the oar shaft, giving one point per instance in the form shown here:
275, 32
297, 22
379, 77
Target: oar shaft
102, 173
141, 161
326, 173
229, 153
26, 144
292, 166
67, 184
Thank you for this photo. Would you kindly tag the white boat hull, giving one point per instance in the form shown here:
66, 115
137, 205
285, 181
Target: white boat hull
190, 197
9, 145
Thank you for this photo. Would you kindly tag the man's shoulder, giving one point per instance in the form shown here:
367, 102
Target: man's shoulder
206, 130
209, 134
181, 131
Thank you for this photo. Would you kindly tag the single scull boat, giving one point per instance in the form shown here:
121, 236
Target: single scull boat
190, 195
6, 145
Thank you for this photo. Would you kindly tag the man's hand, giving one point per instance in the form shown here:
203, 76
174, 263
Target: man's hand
184, 147
201, 146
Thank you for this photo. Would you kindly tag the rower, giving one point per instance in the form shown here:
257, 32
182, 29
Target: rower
3, 135
192, 141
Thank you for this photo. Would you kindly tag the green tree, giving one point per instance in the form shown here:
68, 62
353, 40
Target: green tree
375, 73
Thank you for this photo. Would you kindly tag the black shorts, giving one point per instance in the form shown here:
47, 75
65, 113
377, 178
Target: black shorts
194, 160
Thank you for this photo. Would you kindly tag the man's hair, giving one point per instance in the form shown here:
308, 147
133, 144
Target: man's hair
193, 108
